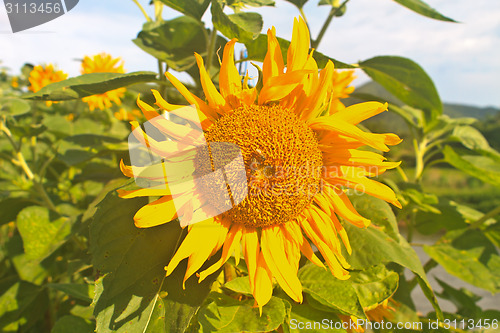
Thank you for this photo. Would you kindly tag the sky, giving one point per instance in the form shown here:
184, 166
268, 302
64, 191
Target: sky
462, 58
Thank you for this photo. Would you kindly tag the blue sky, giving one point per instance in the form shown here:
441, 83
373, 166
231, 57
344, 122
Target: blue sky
463, 59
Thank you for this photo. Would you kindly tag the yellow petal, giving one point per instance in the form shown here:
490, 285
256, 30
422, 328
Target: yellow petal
342, 127
356, 113
214, 98
280, 86
230, 244
344, 207
263, 289
229, 77
199, 243
155, 213
273, 250
299, 46
251, 252
192, 99
273, 62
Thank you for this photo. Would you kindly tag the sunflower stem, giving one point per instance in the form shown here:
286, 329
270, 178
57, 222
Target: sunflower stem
143, 11
485, 217
211, 49
334, 11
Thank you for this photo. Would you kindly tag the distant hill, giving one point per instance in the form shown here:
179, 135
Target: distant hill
451, 109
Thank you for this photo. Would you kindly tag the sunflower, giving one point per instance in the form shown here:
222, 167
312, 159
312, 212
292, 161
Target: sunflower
300, 153
103, 63
41, 76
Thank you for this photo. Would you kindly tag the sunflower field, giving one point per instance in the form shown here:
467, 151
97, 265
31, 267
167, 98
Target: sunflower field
239, 188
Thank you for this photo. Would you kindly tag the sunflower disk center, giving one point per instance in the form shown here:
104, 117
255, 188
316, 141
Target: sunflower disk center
282, 164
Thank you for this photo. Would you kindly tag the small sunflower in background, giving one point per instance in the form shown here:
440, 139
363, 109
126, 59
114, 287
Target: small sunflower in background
42, 76
103, 63
300, 150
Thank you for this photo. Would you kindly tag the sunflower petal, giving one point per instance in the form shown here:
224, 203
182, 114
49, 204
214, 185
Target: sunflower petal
272, 249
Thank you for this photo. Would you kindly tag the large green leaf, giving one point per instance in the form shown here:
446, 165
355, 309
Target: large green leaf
473, 139
480, 167
194, 8
42, 233
174, 41
372, 246
245, 26
89, 84
132, 293
407, 81
451, 216
303, 318
84, 292
254, 3
21, 305
226, 314
72, 324
10, 207
257, 50
469, 255
424, 9
14, 106
364, 289
380, 213
298, 3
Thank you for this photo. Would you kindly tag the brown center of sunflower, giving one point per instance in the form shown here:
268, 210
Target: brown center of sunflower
282, 164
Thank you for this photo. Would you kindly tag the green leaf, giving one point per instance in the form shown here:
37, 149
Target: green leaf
89, 84
384, 249
84, 292
470, 256
424, 9
42, 233
379, 211
474, 140
463, 299
365, 289
451, 216
303, 318
254, 3
239, 285
374, 285
298, 3
226, 314
329, 291
14, 106
10, 207
257, 50
174, 41
132, 293
72, 324
245, 26
21, 306
407, 81
480, 167
194, 8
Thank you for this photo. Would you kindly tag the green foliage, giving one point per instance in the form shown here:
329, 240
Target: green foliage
244, 26
225, 314
422, 8
407, 81
173, 41
88, 84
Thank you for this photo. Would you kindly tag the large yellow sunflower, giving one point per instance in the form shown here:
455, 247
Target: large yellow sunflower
299, 147
41, 76
103, 63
